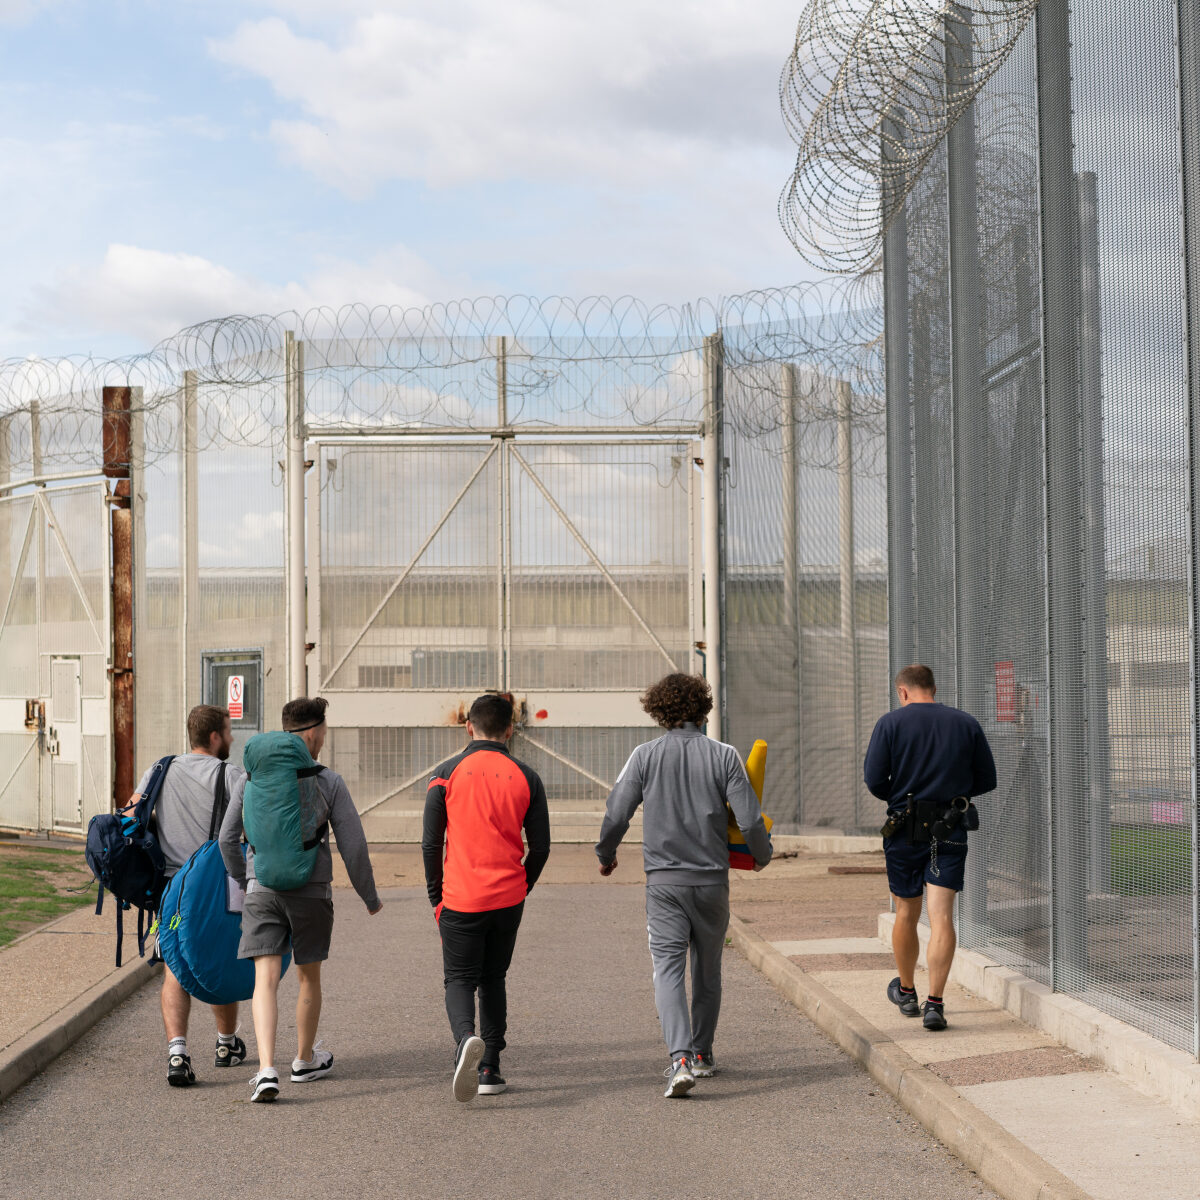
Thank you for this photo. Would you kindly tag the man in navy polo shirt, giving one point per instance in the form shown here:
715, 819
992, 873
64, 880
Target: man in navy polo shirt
926, 754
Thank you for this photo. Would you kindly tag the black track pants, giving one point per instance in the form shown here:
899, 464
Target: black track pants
477, 949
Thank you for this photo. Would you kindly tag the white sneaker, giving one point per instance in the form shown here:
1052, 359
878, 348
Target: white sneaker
320, 1064
466, 1069
680, 1079
265, 1085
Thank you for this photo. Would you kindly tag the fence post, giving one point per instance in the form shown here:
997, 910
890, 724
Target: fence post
1188, 35
1064, 508
972, 593
189, 544
846, 589
116, 403
714, 539
137, 481
901, 651
791, 581
294, 516
1091, 408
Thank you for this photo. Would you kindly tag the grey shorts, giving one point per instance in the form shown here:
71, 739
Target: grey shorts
273, 921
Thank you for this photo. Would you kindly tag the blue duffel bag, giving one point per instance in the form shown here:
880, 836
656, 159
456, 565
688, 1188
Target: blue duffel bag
199, 926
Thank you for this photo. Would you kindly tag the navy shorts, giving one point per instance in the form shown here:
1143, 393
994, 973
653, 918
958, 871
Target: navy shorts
910, 867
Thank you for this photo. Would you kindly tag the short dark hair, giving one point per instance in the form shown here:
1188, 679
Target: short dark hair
917, 678
491, 714
678, 699
306, 712
203, 721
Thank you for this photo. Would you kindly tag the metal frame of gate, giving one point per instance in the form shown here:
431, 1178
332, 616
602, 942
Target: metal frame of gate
34, 791
567, 708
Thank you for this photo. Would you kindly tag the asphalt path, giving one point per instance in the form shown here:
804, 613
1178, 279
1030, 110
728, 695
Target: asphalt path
789, 1116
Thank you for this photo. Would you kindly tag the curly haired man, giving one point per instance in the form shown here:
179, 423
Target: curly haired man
684, 781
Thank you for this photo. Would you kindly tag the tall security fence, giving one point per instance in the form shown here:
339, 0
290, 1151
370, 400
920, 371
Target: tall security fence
1029, 182
398, 509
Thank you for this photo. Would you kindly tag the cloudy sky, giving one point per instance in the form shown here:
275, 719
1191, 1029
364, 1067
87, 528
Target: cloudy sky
165, 161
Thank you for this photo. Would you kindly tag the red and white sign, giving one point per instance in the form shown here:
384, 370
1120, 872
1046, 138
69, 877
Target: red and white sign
233, 697
1006, 692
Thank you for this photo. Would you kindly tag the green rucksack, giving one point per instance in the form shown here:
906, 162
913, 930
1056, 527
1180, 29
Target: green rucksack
280, 809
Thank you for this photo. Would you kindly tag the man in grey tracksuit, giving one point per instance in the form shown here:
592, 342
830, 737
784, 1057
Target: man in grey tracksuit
684, 780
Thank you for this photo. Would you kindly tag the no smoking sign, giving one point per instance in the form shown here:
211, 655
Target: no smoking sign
235, 690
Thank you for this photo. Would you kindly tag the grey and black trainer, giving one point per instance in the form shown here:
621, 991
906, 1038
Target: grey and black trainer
320, 1064
265, 1085
229, 1054
906, 1002
704, 1066
491, 1082
179, 1071
679, 1077
466, 1068
933, 1016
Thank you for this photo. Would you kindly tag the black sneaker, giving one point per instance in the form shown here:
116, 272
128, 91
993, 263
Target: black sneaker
491, 1082
906, 1002
933, 1017
466, 1068
229, 1054
179, 1071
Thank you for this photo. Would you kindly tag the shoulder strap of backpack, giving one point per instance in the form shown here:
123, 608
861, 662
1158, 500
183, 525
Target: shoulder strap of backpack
145, 806
318, 837
220, 803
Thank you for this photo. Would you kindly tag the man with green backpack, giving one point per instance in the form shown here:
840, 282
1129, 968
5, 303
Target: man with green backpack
285, 807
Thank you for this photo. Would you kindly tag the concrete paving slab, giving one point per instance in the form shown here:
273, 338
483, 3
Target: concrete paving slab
847, 945
1111, 1139
976, 1027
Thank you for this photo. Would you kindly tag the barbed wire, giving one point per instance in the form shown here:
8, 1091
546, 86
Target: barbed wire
593, 362
865, 96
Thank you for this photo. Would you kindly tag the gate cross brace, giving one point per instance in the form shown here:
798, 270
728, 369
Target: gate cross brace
416, 558
616, 587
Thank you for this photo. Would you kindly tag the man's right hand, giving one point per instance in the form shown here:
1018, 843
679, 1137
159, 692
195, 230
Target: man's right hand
606, 869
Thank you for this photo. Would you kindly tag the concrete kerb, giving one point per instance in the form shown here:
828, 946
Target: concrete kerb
1000, 1160
1152, 1067
37, 1049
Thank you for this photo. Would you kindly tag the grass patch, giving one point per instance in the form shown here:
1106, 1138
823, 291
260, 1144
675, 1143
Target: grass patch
1151, 861
33, 887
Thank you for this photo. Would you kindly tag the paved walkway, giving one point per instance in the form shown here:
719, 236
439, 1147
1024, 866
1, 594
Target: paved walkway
1094, 1127
790, 1117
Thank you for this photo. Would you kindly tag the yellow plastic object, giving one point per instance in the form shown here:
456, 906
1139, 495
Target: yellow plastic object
756, 768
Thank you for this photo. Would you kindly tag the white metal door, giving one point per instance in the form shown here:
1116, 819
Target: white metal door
559, 571
55, 652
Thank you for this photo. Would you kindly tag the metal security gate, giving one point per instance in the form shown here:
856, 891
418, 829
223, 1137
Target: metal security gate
560, 569
55, 650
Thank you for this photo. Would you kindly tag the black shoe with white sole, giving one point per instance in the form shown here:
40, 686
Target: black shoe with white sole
179, 1071
229, 1054
491, 1082
466, 1068
905, 1001
265, 1085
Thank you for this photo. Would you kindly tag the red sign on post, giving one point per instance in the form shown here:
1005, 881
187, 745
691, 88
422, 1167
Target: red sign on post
1006, 692
233, 696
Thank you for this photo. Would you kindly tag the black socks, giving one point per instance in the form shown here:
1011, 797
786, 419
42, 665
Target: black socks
936, 1001
912, 991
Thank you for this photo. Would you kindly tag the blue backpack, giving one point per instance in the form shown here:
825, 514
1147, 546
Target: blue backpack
125, 857
198, 931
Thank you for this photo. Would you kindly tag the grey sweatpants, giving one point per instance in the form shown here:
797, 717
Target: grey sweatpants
679, 917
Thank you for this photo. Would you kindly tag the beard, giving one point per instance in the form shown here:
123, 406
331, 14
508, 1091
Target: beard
223, 753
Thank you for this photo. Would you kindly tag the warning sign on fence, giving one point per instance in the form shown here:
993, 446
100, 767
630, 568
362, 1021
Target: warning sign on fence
1006, 692
235, 690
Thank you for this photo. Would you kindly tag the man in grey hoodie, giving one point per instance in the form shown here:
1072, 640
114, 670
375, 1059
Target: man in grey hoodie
684, 780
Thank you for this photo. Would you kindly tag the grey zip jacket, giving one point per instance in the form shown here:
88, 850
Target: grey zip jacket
683, 781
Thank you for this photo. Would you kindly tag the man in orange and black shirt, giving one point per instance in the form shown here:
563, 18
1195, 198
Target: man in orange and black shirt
478, 875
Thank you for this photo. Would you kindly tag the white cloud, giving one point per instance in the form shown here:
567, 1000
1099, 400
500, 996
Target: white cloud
647, 92
150, 294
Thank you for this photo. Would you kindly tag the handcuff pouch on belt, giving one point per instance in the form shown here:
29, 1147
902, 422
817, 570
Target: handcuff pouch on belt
924, 821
